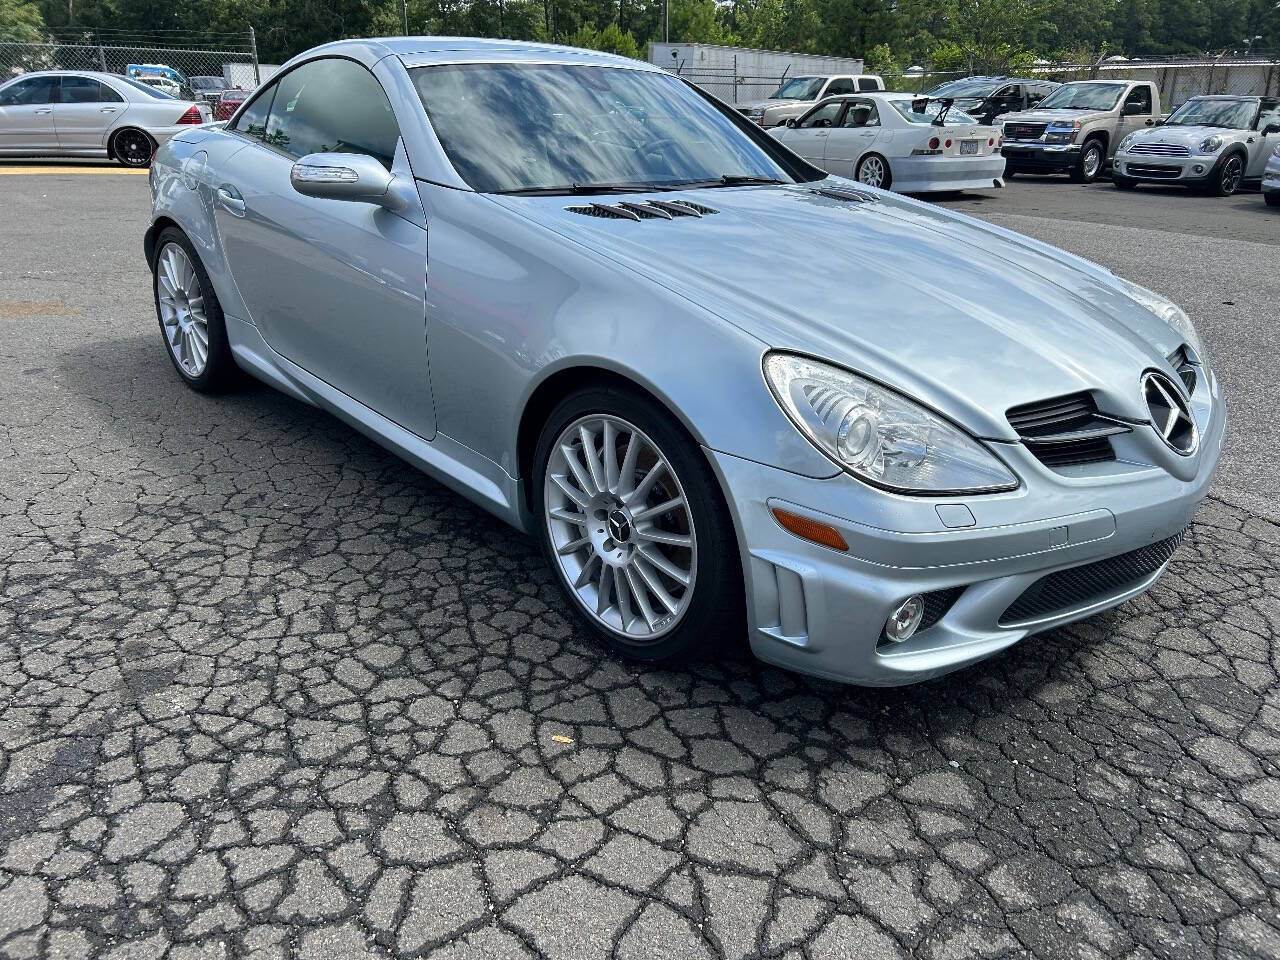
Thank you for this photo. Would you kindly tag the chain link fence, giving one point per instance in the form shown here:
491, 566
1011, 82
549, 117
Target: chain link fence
235, 63
1177, 79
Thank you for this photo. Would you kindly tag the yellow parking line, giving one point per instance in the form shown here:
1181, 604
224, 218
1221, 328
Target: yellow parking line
34, 170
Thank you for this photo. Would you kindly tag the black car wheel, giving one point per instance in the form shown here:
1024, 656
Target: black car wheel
1230, 173
133, 148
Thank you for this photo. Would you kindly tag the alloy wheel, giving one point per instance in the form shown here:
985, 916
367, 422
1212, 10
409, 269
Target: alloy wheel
871, 172
1092, 161
133, 148
1231, 174
620, 527
186, 326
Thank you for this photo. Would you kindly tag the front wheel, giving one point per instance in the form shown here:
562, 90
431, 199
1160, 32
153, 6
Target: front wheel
1229, 176
873, 170
133, 148
191, 320
1272, 198
1090, 163
633, 523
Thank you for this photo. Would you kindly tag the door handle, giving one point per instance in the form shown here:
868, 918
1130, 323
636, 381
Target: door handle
230, 198
43, 110
108, 109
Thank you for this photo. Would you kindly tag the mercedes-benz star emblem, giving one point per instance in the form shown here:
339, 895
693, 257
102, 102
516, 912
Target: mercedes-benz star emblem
1170, 413
619, 526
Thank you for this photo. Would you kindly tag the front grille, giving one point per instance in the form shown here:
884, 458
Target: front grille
1024, 131
1092, 583
1160, 150
1155, 171
1066, 431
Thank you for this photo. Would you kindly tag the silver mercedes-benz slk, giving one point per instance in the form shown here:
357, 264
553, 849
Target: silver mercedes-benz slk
729, 393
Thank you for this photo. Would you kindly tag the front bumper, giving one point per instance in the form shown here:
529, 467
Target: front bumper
1271, 180
1176, 170
926, 174
820, 611
1036, 155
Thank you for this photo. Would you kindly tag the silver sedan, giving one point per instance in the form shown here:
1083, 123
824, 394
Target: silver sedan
732, 396
89, 114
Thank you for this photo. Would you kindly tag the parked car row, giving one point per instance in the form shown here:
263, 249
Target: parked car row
91, 114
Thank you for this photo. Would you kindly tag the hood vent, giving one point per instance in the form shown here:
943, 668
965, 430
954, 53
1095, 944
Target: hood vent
643, 210
847, 194
1066, 431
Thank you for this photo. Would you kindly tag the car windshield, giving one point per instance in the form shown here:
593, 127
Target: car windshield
1084, 96
798, 88
547, 127
209, 83
909, 113
966, 89
145, 88
1235, 114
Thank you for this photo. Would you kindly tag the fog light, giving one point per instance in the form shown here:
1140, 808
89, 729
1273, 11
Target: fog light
905, 620
1198, 168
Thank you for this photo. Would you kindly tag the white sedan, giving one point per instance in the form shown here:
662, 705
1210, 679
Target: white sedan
895, 141
88, 114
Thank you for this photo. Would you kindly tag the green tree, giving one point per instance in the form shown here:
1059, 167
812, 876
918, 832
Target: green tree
20, 22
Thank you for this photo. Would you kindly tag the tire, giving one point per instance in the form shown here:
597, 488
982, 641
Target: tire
699, 546
866, 167
188, 312
1123, 183
1092, 159
1009, 173
133, 148
1272, 198
1230, 173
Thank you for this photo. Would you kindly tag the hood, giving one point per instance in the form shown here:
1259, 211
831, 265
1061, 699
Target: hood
1189, 136
966, 317
1052, 116
765, 104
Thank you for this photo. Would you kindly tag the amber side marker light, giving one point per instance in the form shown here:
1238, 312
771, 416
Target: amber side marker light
808, 529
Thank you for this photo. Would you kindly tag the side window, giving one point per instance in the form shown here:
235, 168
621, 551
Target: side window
80, 90
106, 94
332, 105
34, 90
823, 116
1270, 114
861, 114
1140, 96
253, 122
838, 86
868, 83
1035, 93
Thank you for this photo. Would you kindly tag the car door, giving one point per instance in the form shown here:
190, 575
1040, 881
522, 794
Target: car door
852, 136
809, 136
1136, 112
1260, 152
26, 115
337, 287
85, 111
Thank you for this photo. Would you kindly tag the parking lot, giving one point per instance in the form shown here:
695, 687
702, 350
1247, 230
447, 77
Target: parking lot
265, 689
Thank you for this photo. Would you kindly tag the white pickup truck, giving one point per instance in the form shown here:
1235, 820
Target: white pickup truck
1076, 128
795, 96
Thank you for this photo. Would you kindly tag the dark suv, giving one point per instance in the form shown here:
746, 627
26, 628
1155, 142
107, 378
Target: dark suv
985, 98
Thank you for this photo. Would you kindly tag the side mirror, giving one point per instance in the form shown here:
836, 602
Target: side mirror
792, 121
1271, 128
1134, 110
347, 176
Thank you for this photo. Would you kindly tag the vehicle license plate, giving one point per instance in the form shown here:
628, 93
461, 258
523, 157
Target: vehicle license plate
968, 147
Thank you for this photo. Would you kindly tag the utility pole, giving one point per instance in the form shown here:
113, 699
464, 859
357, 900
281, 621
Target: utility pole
666, 20
404, 5
253, 52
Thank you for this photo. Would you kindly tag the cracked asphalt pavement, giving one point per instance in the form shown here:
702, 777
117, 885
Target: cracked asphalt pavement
266, 690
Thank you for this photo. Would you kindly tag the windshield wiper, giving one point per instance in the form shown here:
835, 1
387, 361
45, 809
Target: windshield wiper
585, 189
731, 180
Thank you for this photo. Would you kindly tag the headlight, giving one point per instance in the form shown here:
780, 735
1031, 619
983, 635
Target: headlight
880, 436
1170, 313
756, 112
1125, 143
1276, 151
1211, 144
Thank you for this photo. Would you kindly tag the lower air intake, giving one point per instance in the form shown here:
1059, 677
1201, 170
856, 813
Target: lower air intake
1092, 583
